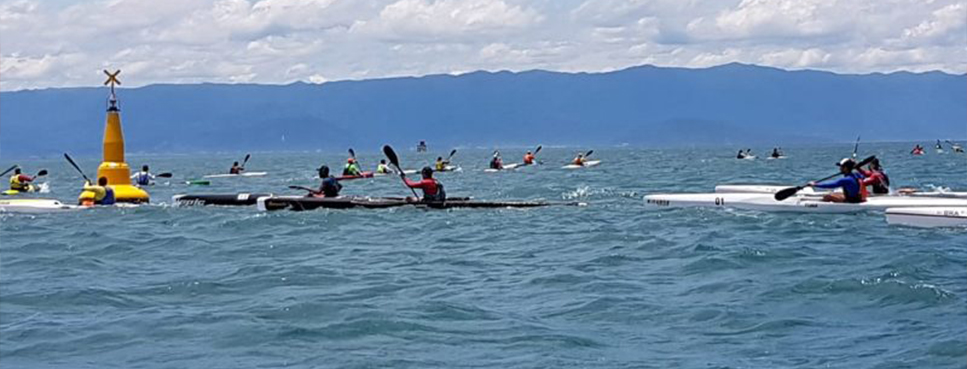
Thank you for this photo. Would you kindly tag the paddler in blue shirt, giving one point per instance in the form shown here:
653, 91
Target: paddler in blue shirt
103, 195
853, 191
330, 187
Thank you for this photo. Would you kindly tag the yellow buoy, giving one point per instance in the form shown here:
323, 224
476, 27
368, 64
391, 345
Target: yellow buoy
114, 168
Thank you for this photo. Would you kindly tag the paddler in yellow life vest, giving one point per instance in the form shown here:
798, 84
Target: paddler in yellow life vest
382, 168
103, 195
351, 169
21, 182
441, 165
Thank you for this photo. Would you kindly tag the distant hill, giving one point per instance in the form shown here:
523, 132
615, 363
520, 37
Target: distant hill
646, 105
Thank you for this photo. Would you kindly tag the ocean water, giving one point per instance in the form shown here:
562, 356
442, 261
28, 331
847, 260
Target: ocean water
609, 285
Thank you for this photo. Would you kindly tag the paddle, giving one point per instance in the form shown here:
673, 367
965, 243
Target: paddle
8, 170
452, 153
68, 157
395, 160
589, 153
856, 146
786, 193
302, 188
164, 175
41, 173
539, 147
247, 156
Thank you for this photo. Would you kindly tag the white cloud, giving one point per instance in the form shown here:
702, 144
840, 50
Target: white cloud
67, 42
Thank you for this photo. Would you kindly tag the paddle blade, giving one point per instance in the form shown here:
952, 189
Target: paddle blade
866, 161
391, 155
352, 154
452, 153
164, 175
247, 156
785, 193
539, 147
42, 173
589, 153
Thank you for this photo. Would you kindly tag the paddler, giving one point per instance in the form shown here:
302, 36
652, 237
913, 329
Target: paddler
330, 187
740, 155
236, 169
853, 191
876, 178
917, 150
20, 182
383, 168
432, 189
103, 195
496, 162
529, 158
938, 145
578, 160
776, 153
352, 168
441, 165
144, 177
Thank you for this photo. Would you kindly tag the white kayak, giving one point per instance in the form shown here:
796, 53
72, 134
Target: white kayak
776, 157
928, 217
243, 174
35, 206
799, 203
589, 163
771, 189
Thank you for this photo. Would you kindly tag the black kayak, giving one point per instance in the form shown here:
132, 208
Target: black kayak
236, 199
295, 203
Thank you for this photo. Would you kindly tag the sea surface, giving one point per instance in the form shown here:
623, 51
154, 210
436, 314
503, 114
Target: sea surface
608, 285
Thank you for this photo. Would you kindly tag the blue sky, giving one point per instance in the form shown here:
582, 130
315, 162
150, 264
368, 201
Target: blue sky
56, 43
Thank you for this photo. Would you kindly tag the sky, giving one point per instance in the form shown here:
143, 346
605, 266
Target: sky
65, 43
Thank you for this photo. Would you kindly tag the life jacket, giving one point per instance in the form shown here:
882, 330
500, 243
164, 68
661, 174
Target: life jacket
350, 170
108, 198
441, 165
440, 195
578, 161
235, 170
382, 169
857, 197
330, 187
528, 159
17, 185
496, 164
143, 179
883, 186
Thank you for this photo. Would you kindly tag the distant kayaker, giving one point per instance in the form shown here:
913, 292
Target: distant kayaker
441, 165
876, 178
917, 150
432, 189
103, 195
939, 146
144, 177
330, 187
352, 168
776, 153
421, 147
236, 169
496, 163
383, 168
740, 155
853, 191
578, 160
528, 158
20, 182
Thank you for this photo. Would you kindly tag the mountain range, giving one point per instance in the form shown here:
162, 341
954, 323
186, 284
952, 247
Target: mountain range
644, 106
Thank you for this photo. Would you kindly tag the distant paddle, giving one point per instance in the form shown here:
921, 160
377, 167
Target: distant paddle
589, 153
69, 160
247, 156
452, 153
856, 147
786, 193
395, 160
164, 175
352, 154
8, 170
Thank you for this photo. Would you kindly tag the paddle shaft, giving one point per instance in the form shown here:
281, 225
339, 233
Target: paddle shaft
395, 160
8, 170
68, 157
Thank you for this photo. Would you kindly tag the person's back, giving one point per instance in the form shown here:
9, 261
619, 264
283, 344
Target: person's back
103, 194
144, 177
432, 189
495, 163
740, 155
236, 169
382, 167
876, 178
330, 187
20, 181
352, 168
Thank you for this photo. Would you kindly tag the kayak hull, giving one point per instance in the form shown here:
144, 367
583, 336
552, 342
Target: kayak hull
771, 189
238, 199
244, 174
360, 176
589, 163
798, 204
928, 217
35, 206
298, 203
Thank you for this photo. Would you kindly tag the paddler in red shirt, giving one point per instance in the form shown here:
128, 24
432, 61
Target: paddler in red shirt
432, 189
579, 160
